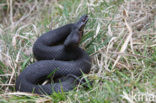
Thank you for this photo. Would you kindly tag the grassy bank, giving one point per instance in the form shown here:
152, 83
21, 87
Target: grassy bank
120, 37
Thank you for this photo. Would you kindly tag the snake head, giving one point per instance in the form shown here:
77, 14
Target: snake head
82, 22
75, 36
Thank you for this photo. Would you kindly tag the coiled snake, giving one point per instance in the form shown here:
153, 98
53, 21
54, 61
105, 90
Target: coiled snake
58, 53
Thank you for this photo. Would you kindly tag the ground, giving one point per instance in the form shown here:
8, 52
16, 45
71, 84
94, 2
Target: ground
120, 37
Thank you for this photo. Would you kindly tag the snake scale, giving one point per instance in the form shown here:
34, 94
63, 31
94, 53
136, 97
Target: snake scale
58, 53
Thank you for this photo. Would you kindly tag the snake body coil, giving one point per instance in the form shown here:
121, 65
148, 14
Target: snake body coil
58, 54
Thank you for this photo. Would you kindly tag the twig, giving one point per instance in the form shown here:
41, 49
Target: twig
3, 75
11, 13
7, 84
142, 20
19, 94
124, 46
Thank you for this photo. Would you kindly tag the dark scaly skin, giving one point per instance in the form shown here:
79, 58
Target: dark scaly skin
56, 51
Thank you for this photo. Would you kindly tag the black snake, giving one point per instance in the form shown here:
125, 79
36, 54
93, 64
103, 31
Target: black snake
59, 55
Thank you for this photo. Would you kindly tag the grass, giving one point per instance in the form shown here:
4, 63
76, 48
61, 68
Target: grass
119, 36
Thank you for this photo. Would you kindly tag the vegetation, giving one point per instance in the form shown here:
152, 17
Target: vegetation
120, 36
